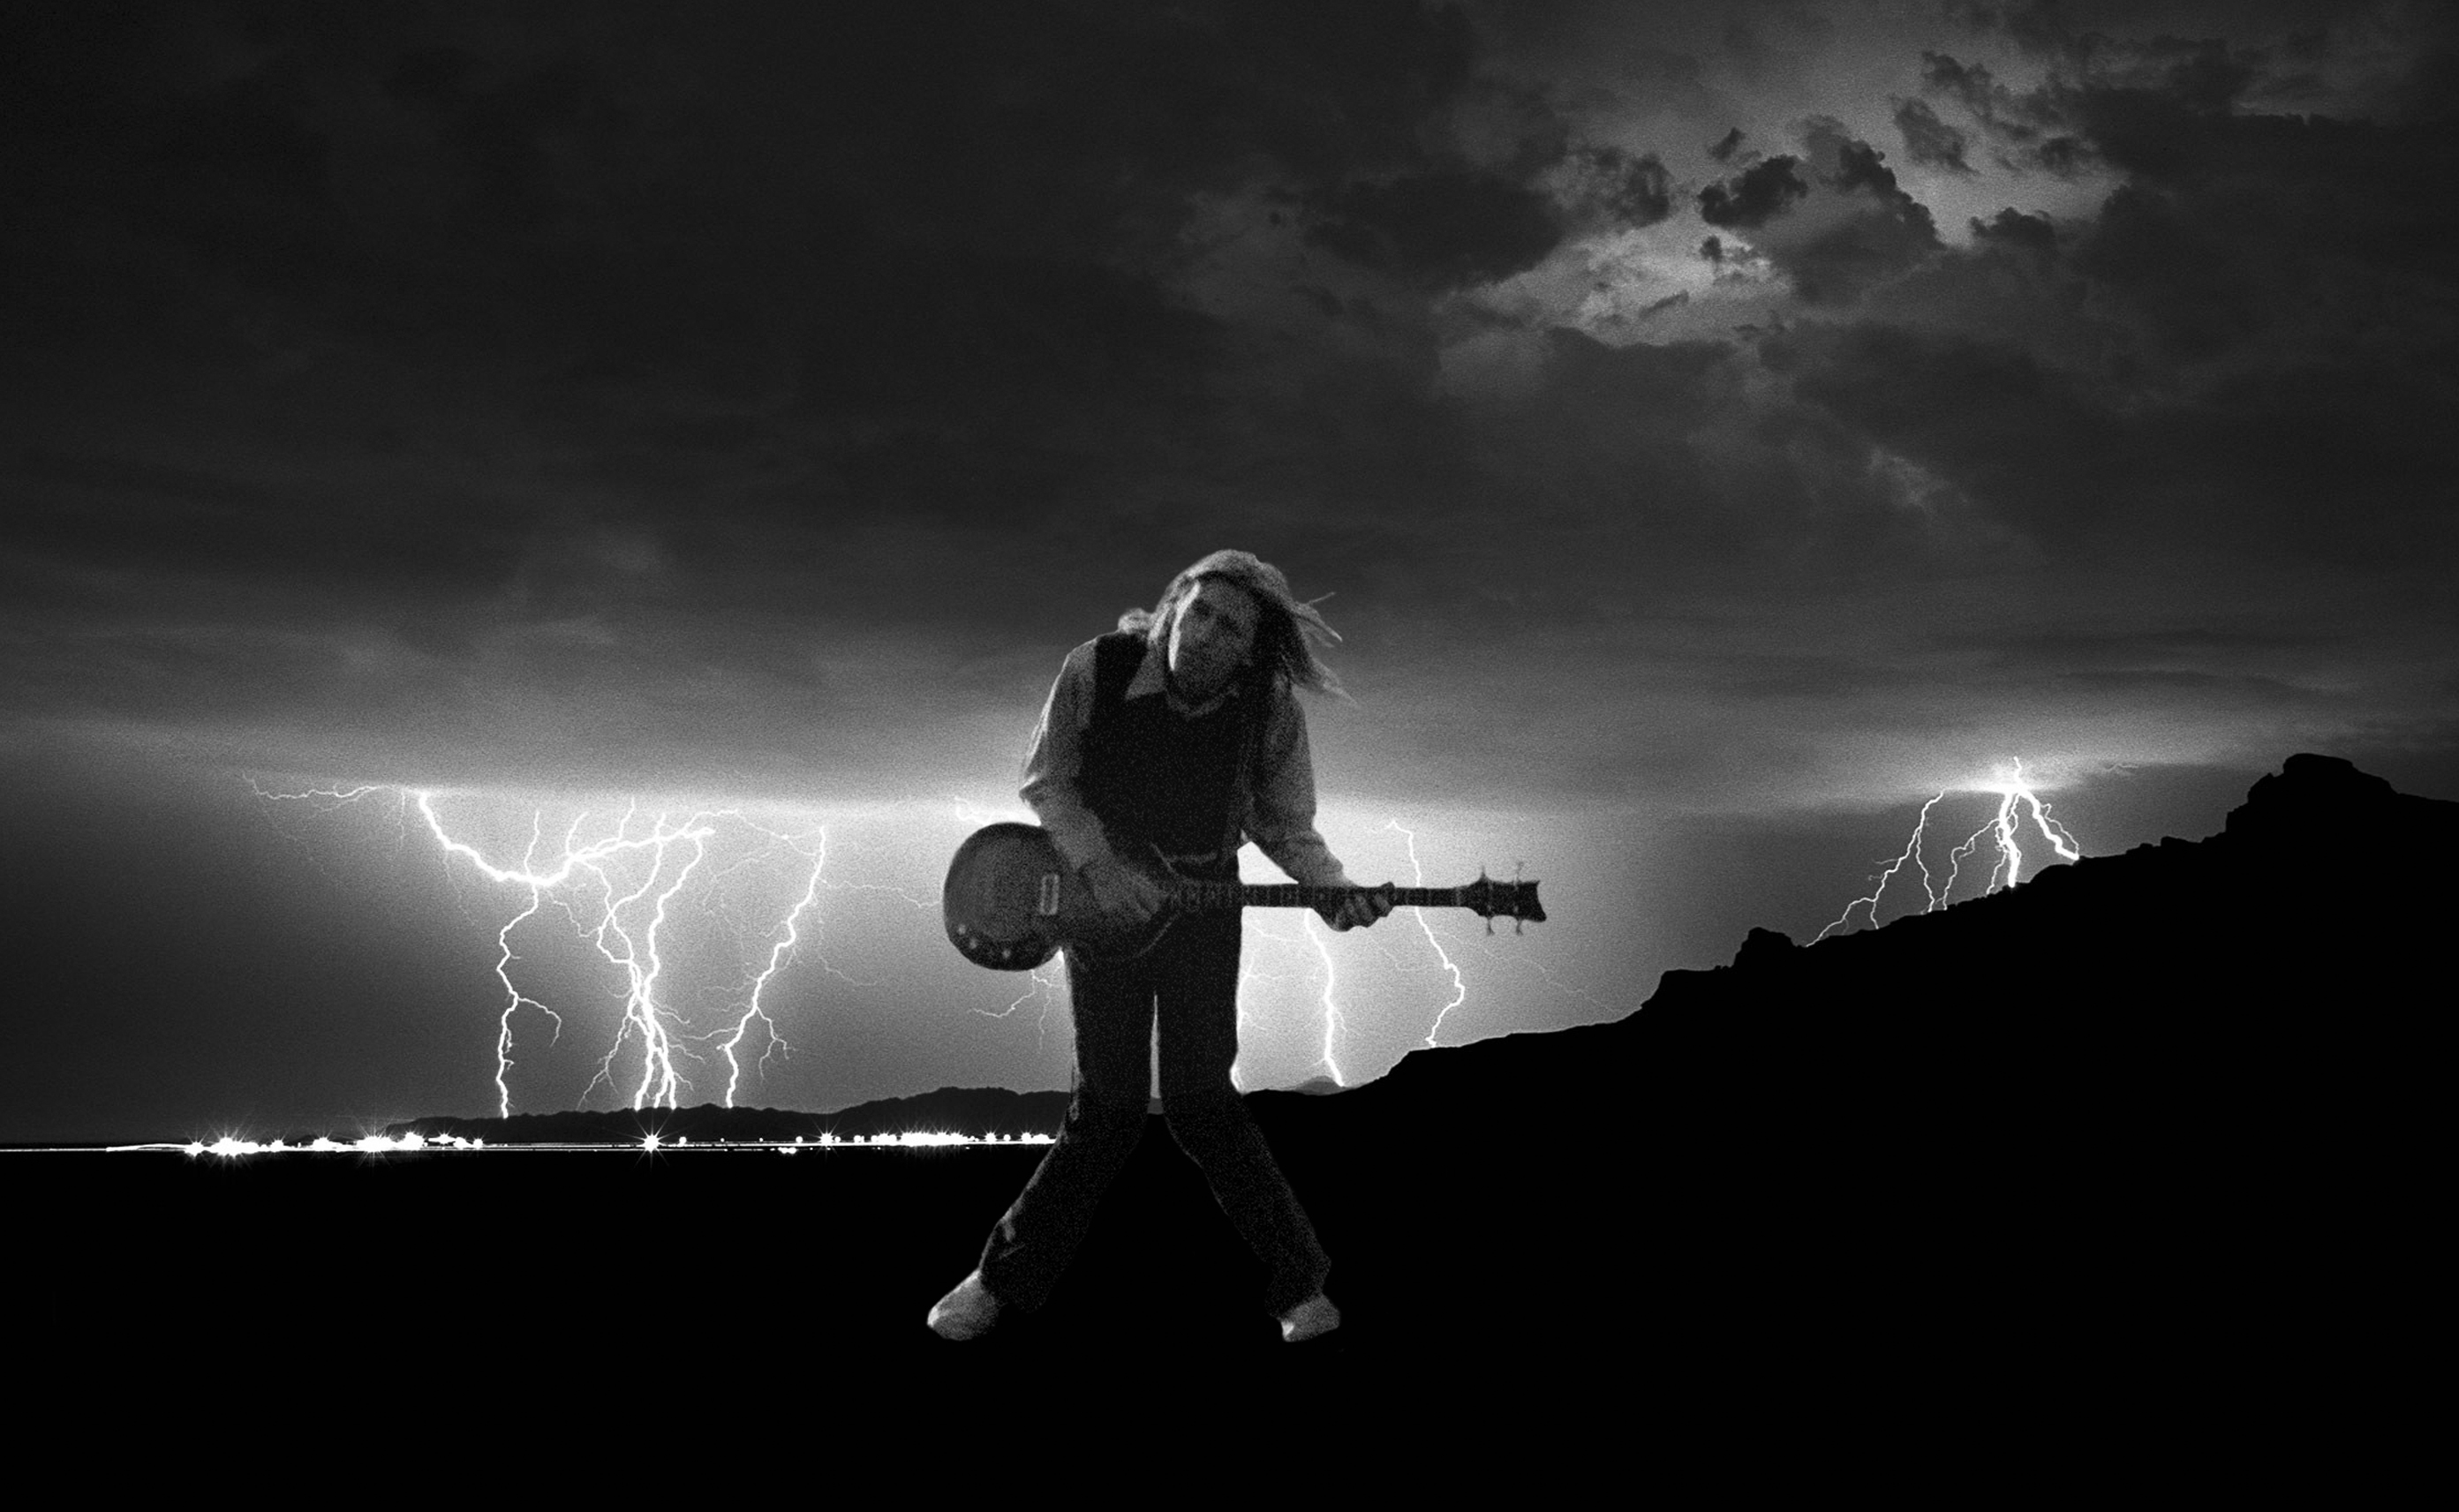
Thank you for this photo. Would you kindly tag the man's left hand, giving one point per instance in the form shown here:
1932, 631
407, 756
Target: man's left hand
1358, 910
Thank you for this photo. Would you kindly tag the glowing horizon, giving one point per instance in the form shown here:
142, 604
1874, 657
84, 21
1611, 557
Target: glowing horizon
2009, 781
725, 939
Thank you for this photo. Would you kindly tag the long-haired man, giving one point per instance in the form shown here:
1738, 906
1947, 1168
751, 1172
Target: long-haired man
1177, 735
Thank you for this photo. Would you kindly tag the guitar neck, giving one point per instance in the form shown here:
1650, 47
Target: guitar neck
1208, 897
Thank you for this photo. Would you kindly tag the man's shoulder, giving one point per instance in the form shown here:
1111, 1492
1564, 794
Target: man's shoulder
1087, 650
1113, 658
1086, 654
1082, 655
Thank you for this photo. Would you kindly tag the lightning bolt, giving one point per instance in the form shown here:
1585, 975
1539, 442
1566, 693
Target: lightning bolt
620, 881
1459, 984
1047, 982
779, 954
1250, 976
514, 998
660, 1083
1912, 853
2055, 833
1315, 930
2001, 831
1311, 933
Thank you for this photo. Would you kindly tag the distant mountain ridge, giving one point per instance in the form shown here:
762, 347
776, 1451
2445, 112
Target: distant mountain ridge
977, 1111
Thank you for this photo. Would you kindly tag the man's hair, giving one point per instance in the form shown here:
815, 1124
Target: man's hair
1284, 626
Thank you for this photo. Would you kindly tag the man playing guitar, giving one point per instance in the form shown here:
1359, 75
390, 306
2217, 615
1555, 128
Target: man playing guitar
1179, 737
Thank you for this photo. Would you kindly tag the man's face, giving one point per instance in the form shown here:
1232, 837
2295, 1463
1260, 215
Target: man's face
1210, 635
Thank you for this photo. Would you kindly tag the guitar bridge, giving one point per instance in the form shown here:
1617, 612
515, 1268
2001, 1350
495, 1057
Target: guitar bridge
1048, 906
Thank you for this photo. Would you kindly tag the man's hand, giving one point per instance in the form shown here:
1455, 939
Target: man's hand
1359, 910
1122, 892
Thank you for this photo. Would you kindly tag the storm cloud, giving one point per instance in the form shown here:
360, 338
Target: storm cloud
519, 390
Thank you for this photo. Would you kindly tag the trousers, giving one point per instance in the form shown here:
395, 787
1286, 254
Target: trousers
1189, 982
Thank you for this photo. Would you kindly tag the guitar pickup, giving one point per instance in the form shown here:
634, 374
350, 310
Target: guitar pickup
1049, 907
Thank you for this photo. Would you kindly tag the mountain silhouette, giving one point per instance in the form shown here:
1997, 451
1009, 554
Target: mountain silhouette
2170, 1105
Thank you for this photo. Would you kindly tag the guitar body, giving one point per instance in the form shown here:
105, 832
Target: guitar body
1011, 901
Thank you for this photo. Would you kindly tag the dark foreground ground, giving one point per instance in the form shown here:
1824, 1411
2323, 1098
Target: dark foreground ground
2148, 1151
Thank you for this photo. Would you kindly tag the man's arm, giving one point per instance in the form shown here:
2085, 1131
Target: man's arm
1280, 807
1280, 816
1058, 758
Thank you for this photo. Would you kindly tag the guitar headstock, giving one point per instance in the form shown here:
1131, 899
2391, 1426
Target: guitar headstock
1511, 900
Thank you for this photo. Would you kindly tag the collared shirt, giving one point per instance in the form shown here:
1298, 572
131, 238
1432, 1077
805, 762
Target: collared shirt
1276, 798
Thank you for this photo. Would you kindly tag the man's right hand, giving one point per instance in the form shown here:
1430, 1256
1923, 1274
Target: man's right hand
1122, 892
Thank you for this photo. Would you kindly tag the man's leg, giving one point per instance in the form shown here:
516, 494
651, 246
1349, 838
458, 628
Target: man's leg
1198, 986
1112, 1009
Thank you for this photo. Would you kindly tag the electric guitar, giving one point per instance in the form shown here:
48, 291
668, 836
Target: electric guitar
1011, 901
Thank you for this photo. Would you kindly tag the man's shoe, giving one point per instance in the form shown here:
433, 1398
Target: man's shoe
1312, 1318
966, 1312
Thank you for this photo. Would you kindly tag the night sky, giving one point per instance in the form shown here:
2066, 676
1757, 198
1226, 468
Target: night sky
1718, 429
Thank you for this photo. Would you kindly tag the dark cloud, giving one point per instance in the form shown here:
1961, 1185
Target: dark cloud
1863, 222
505, 379
1507, 129
2227, 361
1445, 229
1836, 222
2428, 92
2183, 278
2000, 112
2028, 130
432, 363
2058, 650
1756, 197
2312, 459
1608, 186
196, 525
2033, 446
2011, 228
888, 265
2120, 80
2260, 298
976, 127
2180, 687
1928, 140
2013, 286
2242, 228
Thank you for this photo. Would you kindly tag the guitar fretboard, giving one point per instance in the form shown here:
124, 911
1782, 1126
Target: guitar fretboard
1208, 897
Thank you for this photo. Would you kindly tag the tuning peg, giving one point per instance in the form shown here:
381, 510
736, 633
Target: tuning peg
1489, 923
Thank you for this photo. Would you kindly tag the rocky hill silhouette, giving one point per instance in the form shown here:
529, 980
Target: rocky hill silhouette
2171, 1104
